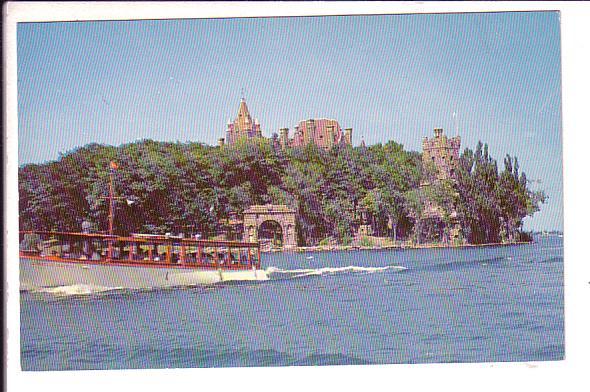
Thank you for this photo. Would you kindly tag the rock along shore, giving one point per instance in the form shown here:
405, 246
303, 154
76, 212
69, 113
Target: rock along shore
328, 248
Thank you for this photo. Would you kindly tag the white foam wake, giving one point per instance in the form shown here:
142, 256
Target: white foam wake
332, 270
76, 289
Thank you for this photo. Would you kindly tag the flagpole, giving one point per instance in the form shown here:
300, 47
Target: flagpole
111, 218
111, 209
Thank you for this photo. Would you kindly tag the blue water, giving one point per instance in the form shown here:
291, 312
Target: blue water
488, 304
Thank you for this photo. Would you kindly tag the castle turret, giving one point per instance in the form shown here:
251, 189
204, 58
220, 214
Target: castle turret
440, 158
309, 136
256, 129
229, 133
441, 153
284, 137
348, 136
242, 126
330, 137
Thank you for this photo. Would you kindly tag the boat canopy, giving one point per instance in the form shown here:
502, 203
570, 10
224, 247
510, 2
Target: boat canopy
150, 249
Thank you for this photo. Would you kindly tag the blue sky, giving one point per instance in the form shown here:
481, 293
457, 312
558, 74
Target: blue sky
392, 77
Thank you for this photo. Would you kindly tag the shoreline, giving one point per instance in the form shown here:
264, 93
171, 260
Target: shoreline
339, 248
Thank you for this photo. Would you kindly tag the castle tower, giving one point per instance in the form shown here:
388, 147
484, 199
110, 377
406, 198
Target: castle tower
309, 135
243, 121
442, 154
330, 137
284, 138
348, 136
256, 129
242, 126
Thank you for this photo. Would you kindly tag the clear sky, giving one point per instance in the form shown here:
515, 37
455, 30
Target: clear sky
392, 77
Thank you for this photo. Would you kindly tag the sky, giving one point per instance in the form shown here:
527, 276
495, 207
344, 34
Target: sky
389, 77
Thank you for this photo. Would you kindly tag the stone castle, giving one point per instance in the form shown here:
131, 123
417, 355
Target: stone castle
442, 154
440, 159
325, 133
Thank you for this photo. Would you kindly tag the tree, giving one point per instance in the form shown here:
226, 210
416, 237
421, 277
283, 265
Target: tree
183, 187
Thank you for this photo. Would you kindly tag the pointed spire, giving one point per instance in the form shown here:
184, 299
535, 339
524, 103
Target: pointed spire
243, 120
243, 111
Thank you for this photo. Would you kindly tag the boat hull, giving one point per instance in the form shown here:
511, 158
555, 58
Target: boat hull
39, 273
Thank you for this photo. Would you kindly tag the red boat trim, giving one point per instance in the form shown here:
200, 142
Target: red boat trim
146, 263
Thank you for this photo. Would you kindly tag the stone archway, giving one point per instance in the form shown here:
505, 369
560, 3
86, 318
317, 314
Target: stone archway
256, 216
271, 231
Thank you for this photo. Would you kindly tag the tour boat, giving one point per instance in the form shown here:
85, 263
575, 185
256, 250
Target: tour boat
53, 259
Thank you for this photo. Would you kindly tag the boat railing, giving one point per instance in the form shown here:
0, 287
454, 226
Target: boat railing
141, 249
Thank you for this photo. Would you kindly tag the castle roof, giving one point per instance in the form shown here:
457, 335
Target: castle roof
243, 120
320, 119
268, 208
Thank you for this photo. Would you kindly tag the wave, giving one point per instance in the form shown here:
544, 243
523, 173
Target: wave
76, 289
331, 270
557, 259
330, 359
465, 263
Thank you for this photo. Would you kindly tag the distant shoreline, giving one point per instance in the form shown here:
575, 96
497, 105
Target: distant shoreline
330, 248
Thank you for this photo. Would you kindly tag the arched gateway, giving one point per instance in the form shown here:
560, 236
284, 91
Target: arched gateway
261, 220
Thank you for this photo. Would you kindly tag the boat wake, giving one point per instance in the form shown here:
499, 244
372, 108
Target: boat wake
297, 273
75, 289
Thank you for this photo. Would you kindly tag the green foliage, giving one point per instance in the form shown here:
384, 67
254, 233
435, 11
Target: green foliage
191, 187
366, 242
346, 240
492, 205
325, 242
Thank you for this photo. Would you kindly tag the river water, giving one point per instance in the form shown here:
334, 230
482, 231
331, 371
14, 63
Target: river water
489, 304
